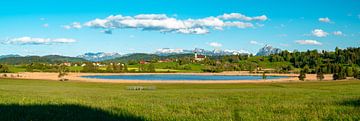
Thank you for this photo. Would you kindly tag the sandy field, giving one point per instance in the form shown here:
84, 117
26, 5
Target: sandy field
77, 77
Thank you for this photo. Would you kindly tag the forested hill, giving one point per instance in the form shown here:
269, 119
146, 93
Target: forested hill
40, 59
147, 57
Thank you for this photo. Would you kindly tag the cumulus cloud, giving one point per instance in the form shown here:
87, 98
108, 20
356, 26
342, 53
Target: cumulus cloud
338, 33
46, 25
325, 20
74, 25
39, 41
319, 33
256, 42
308, 42
164, 23
239, 16
215, 44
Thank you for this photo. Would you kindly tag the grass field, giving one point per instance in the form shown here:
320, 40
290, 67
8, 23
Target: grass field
39, 100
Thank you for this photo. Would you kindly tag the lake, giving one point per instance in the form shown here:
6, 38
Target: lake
181, 77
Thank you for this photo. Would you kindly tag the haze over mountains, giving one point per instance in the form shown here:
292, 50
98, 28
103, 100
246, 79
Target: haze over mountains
166, 52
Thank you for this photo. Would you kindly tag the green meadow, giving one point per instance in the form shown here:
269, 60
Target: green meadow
40, 100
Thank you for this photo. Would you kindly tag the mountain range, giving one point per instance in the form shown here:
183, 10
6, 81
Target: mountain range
215, 52
99, 56
116, 57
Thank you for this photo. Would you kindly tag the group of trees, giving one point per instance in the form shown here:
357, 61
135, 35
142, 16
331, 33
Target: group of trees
110, 68
4, 69
147, 68
117, 68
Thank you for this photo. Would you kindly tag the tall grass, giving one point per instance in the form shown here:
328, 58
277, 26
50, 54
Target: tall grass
267, 101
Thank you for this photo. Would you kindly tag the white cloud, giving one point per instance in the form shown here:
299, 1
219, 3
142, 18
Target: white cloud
325, 20
239, 16
215, 44
256, 42
46, 25
38, 41
338, 33
74, 25
164, 23
308, 42
319, 33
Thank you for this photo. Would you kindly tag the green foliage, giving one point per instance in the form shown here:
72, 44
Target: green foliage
151, 68
264, 76
63, 71
319, 74
302, 75
4, 69
90, 67
50, 59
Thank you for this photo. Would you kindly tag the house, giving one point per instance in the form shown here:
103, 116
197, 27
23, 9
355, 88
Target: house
144, 62
66, 64
199, 57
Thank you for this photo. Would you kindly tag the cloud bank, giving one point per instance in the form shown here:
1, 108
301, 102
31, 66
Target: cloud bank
38, 41
308, 42
215, 44
164, 23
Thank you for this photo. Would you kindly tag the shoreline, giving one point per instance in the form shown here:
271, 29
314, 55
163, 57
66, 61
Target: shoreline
77, 77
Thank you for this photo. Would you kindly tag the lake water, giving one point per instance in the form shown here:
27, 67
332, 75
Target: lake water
181, 77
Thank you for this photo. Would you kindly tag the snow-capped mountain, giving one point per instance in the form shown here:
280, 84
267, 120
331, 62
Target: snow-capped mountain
267, 50
169, 51
99, 56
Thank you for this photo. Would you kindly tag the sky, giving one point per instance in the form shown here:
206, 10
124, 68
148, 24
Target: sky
74, 27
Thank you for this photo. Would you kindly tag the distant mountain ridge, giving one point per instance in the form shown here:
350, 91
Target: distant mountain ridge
40, 59
99, 56
7, 56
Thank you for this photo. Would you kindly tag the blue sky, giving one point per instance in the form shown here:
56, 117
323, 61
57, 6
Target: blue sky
42, 27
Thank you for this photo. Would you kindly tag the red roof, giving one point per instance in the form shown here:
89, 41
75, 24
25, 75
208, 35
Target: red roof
200, 56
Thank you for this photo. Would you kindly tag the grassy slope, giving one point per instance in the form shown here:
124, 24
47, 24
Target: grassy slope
278, 101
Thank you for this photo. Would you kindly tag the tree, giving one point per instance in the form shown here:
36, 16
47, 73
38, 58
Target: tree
29, 68
109, 68
356, 74
306, 69
320, 74
90, 67
302, 75
62, 72
125, 68
264, 76
349, 72
141, 68
4, 69
151, 68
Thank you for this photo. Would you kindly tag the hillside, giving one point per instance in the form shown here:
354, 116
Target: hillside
147, 57
39, 59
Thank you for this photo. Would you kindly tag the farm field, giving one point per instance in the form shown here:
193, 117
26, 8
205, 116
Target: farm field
39, 100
